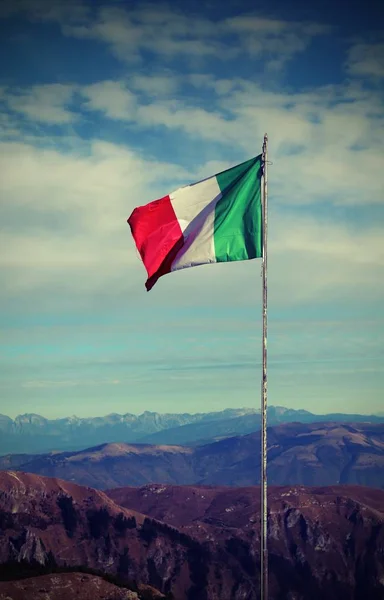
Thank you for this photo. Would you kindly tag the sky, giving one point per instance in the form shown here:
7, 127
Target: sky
105, 106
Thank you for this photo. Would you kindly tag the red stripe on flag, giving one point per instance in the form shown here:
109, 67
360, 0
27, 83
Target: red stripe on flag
158, 237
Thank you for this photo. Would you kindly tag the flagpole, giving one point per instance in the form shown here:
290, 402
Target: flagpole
263, 479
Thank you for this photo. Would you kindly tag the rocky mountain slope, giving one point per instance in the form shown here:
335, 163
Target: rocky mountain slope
307, 454
64, 586
34, 434
323, 542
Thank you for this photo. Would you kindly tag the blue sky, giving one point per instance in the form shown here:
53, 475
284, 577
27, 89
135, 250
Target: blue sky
108, 105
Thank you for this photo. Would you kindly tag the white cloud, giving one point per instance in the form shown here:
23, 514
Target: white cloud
43, 103
112, 98
366, 60
277, 40
197, 122
169, 33
84, 180
155, 85
158, 29
88, 198
9, 127
332, 135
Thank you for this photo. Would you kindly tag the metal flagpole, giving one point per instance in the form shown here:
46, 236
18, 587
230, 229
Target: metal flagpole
263, 479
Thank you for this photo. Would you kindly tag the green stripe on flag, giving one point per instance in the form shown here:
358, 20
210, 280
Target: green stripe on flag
238, 214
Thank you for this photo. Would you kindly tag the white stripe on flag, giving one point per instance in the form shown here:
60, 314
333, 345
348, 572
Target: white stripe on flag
194, 207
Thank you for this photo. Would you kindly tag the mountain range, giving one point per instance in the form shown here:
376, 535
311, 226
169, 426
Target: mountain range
303, 454
193, 543
32, 433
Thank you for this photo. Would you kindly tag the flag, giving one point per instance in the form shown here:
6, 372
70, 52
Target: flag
218, 219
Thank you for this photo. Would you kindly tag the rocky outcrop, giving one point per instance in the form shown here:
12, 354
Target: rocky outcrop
198, 543
323, 542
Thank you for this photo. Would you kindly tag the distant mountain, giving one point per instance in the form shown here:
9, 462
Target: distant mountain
305, 454
32, 433
323, 542
198, 432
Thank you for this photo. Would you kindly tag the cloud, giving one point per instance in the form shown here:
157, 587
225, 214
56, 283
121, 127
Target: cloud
9, 127
43, 103
366, 60
274, 39
171, 33
318, 259
155, 85
87, 179
64, 213
331, 134
330, 240
112, 98
196, 122
158, 29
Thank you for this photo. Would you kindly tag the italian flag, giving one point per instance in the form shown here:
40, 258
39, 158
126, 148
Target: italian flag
218, 219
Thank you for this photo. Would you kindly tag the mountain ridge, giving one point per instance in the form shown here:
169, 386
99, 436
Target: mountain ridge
31, 433
305, 454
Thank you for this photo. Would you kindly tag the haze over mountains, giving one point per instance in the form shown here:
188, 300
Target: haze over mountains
305, 454
31, 433
197, 543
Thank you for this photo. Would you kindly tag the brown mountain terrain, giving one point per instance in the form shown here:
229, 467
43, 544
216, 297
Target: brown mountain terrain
323, 542
64, 586
182, 506
302, 454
